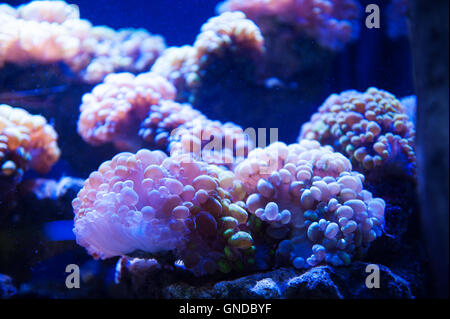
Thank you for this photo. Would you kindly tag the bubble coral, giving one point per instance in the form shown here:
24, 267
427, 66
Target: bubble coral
163, 118
26, 141
262, 162
114, 110
370, 128
316, 207
229, 34
211, 141
228, 31
410, 104
396, 18
332, 23
52, 31
154, 203
179, 65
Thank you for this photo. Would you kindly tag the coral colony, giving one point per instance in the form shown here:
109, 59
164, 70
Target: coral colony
52, 31
198, 190
371, 128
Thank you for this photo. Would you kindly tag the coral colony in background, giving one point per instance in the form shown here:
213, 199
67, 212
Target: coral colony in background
47, 32
26, 142
191, 192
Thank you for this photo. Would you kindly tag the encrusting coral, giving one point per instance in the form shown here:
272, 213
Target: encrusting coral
52, 31
371, 128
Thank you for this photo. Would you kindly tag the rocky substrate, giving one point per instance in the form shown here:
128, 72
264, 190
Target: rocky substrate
146, 279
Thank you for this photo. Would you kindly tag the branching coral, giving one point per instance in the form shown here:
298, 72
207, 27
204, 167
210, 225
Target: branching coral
114, 109
221, 37
26, 141
315, 206
51, 31
371, 128
153, 203
332, 23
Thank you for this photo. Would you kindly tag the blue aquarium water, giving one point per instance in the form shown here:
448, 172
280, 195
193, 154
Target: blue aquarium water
222, 149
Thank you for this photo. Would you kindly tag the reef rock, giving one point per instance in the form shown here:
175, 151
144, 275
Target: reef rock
317, 282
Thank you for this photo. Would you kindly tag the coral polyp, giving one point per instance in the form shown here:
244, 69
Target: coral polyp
230, 31
263, 162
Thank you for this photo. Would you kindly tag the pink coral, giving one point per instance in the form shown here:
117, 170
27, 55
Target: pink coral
312, 201
211, 141
332, 22
230, 29
51, 31
150, 202
310, 205
131, 111
229, 33
179, 65
263, 162
114, 109
26, 141
165, 117
371, 128
121, 209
